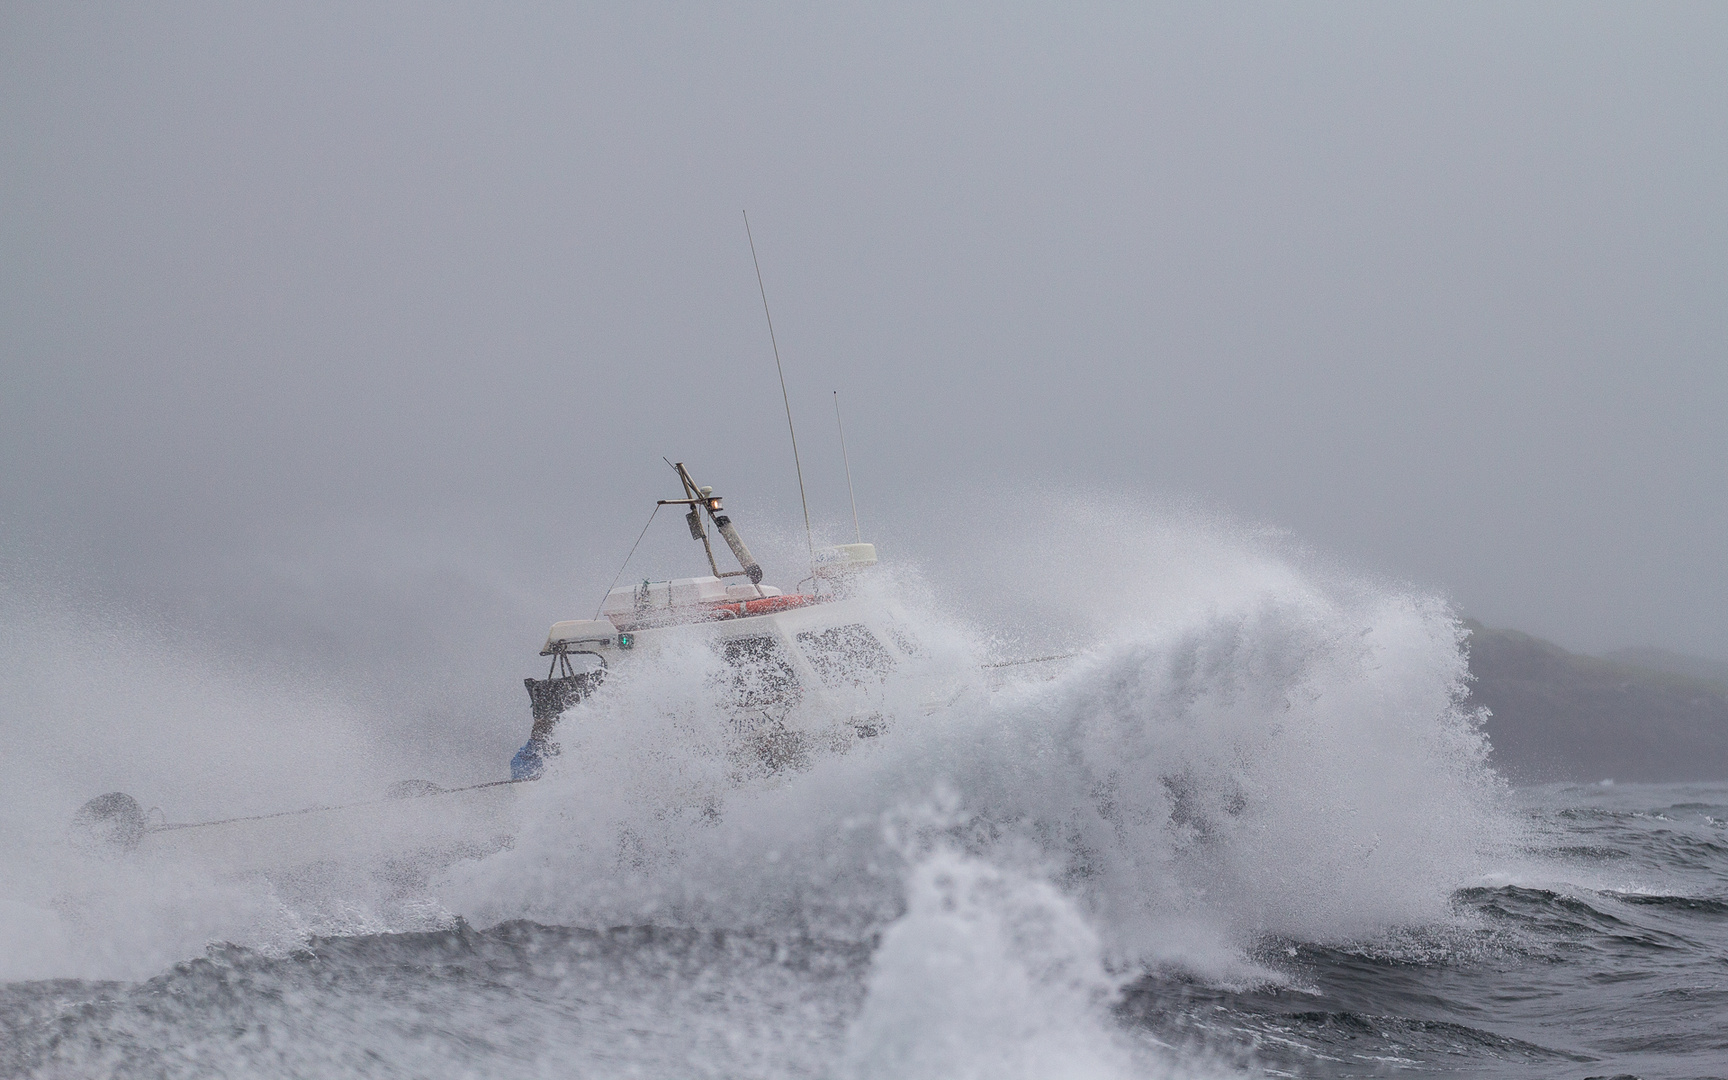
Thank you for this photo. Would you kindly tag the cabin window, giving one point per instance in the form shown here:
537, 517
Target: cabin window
761, 672
845, 654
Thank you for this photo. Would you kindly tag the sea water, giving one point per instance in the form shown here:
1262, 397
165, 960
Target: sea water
1249, 830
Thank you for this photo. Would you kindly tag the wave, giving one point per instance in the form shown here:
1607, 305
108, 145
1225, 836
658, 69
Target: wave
1247, 748
1695, 905
1290, 758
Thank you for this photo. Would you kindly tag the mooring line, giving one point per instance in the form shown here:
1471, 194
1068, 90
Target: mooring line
170, 827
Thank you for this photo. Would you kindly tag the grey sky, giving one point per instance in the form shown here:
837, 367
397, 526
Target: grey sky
302, 305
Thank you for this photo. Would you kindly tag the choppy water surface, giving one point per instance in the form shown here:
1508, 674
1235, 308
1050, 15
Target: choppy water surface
1613, 961
1620, 967
1252, 833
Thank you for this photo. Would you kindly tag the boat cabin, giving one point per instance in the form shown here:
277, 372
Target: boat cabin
779, 648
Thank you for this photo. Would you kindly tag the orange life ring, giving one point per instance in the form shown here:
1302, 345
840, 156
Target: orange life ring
766, 605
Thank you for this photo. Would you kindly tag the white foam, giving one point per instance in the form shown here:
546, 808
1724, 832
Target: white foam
1249, 746
988, 974
1287, 757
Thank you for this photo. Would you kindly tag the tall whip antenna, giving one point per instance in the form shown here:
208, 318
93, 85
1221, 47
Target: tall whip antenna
808, 539
850, 493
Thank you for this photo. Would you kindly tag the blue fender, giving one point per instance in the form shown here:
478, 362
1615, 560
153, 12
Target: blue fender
529, 762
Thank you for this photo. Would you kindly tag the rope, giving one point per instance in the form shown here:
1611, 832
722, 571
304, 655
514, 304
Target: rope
627, 558
173, 826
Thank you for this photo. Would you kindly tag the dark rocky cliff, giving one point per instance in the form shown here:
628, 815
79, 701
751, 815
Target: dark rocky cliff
1561, 716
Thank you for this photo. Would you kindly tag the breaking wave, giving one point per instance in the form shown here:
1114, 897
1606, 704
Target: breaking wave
1246, 747
1293, 760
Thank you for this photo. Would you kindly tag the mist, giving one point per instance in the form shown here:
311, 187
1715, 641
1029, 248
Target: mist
345, 345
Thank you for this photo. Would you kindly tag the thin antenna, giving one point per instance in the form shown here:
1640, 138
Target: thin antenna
808, 539
852, 494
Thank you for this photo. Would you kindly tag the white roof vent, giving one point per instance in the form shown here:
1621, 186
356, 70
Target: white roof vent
844, 559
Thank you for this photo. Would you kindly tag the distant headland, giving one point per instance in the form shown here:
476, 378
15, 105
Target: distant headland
1635, 715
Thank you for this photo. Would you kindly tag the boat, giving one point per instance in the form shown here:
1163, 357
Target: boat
802, 674
798, 666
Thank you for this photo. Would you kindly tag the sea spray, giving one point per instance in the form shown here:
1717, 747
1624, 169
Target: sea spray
988, 974
1244, 747
95, 699
1289, 758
